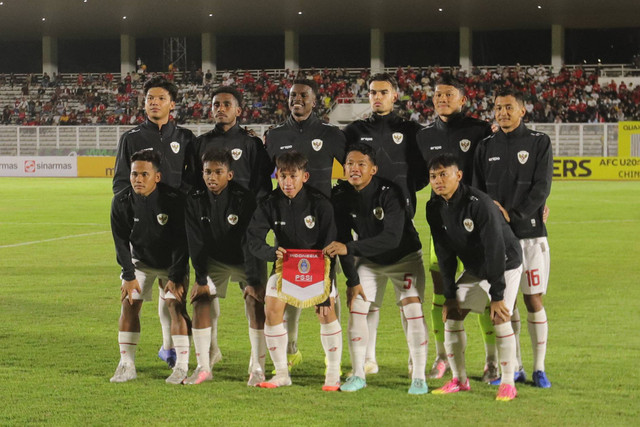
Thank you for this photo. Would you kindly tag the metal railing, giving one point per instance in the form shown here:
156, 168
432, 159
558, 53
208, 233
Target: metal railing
568, 139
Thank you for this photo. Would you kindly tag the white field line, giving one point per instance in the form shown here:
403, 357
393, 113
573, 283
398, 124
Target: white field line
35, 242
598, 221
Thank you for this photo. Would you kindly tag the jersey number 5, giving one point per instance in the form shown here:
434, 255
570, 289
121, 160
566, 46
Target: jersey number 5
408, 280
533, 277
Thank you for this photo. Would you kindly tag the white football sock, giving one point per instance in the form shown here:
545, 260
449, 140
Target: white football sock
516, 325
506, 343
128, 342
202, 344
165, 323
181, 344
258, 348
276, 338
455, 343
291, 319
359, 335
373, 318
215, 314
331, 337
417, 340
538, 331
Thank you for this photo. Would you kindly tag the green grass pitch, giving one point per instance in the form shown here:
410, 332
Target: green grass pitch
59, 307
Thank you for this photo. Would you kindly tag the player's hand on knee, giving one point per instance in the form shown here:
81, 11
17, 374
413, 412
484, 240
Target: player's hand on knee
499, 310
252, 292
353, 292
175, 288
450, 309
199, 292
127, 288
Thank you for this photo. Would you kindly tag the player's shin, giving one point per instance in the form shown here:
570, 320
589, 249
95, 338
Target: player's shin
438, 325
506, 343
516, 325
331, 337
417, 340
276, 340
202, 344
538, 331
455, 341
488, 335
359, 335
291, 319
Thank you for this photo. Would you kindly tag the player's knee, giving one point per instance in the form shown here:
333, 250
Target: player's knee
360, 307
533, 303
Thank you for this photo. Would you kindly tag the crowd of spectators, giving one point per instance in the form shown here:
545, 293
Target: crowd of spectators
571, 95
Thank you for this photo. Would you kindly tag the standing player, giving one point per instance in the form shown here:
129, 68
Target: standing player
387, 248
320, 143
216, 221
466, 224
147, 222
515, 167
250, 165
454, 133
174, 145
301, 218
398, 159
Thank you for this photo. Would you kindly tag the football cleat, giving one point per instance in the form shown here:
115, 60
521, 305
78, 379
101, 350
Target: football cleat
540, 379
453, 386
199, 376
255, 378
276, 381
519, 376
124, 373
177, 376
418, 386
439, 368
506, 392
491, 373
168, 356
215, 357
292, 360
353, 383
371, 367
331, 385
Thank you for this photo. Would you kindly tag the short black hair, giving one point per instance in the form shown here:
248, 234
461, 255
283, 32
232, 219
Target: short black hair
448, 80
384, 77
147, 155
363, 148
292, 161
307, 82
231, 91
163, 83
218, 155
443, 160
510, 92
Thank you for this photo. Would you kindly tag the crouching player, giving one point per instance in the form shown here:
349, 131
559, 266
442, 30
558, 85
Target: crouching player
465, 223
387, 248
301, 218
216, 221
147, 222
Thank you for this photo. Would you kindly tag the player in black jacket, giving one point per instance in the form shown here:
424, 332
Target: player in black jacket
466, 224
398, 159
322, 144
216, 221
515, 168
251, 165
301, 218
175, 147
457, 134
147, 222
387, 248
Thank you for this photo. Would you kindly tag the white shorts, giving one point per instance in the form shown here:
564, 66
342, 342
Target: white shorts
145, 276
272, 288
473, 293
535, 262
406, 275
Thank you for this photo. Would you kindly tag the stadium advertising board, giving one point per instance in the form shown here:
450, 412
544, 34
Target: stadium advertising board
96, 166
40, 166
597, 168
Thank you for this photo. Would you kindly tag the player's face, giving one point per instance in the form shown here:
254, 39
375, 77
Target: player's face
359, 169
302, 100
290, 182
447, 101
509, 112
216, 176
158, 105
144, 177
382, 96
225, 109
445, 181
